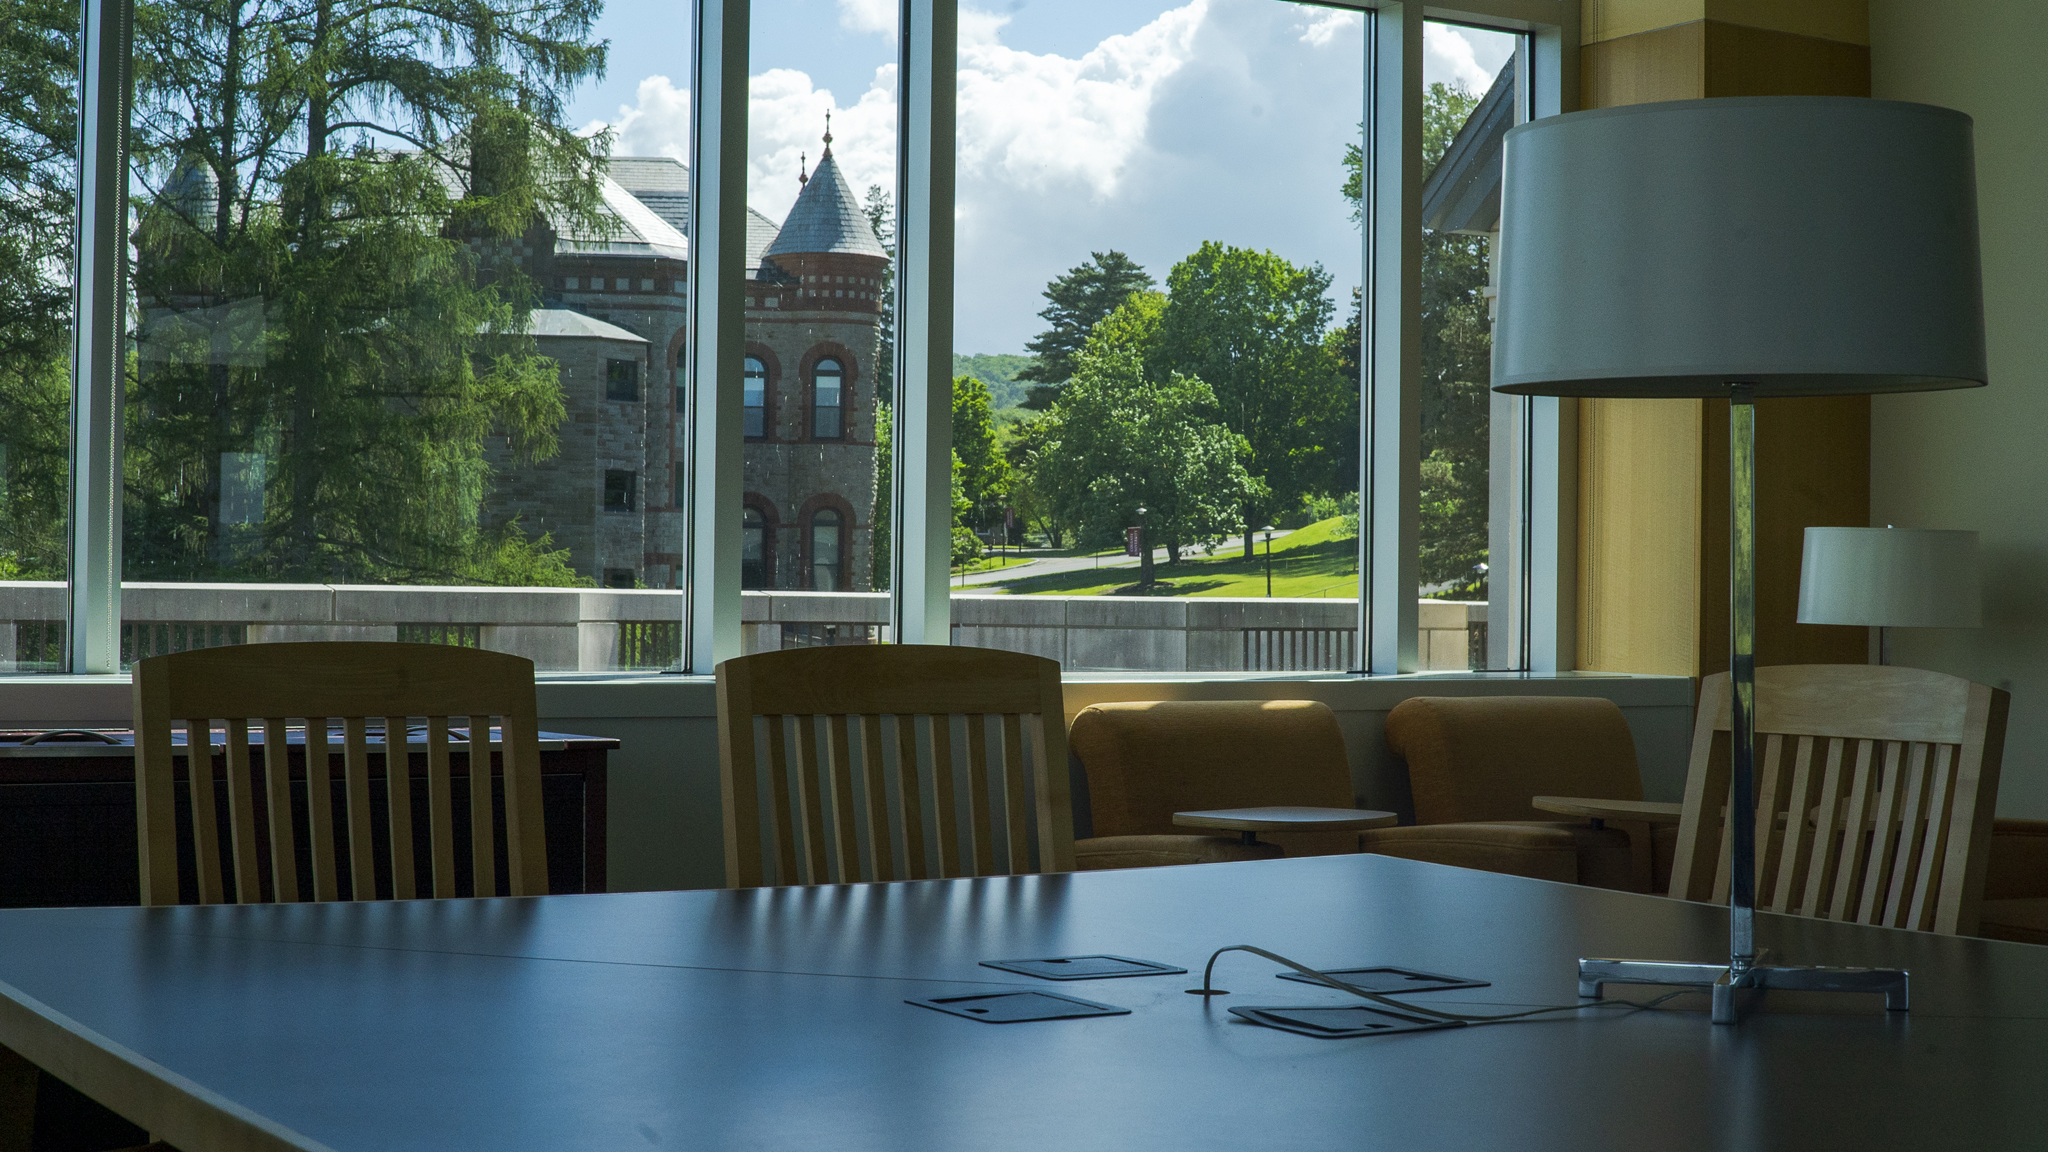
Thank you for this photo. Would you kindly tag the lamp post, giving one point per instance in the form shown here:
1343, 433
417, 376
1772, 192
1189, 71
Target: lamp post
1268, 530
1144, 553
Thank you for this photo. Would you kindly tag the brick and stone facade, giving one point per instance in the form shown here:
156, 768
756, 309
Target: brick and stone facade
815, 296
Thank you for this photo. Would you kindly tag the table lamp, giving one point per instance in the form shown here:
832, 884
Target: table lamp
1886, 578
1743, 248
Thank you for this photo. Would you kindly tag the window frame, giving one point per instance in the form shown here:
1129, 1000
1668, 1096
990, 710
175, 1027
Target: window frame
710, 366
818, 408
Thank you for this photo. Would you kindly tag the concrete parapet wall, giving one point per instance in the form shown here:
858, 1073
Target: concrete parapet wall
578, 629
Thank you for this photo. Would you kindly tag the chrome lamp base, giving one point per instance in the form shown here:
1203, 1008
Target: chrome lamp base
1728, 983
1745, 975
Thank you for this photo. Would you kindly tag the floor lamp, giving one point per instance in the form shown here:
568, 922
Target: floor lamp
1741, 248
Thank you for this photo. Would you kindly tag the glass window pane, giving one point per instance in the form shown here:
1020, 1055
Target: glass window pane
397, 329
1471, 100
38, 106
821, 250
1156, 283
754, 398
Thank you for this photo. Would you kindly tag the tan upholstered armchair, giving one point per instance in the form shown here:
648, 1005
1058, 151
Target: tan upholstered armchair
1473, 765
2016, 883
1143, 761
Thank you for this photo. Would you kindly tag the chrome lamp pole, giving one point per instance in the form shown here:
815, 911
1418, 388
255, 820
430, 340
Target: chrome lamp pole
1748, 249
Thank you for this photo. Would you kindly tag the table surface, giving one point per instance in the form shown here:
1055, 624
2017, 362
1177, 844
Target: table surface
775, 1018
1287, 818
1646, 811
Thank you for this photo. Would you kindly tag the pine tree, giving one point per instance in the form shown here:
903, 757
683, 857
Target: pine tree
330, 327
38, 134
1078, 302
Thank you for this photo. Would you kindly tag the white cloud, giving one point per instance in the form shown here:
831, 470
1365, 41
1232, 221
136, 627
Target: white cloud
1452, 56
657, 124
868, 16
1041, 121
786, 124
1325, 26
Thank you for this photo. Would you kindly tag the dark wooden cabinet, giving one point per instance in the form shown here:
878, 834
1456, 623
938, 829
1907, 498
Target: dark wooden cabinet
67, 816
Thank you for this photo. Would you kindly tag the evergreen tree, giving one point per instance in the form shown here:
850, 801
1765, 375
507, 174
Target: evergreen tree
1078, 301
333, 305
38, 134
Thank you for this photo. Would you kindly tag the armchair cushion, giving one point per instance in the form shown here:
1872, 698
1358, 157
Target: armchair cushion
1539, 851
1155, 851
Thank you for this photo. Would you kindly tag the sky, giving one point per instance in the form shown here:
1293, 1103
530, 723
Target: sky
1084, 125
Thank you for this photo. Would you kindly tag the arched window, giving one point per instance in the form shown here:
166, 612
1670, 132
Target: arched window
828, 421
756, 558
754, 398
827, 573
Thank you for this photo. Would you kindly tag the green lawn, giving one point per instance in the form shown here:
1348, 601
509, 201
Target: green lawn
1312, 561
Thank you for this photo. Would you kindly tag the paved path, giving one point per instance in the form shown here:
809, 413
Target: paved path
1232, 547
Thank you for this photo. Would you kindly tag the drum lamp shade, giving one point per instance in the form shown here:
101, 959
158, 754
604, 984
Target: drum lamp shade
1804, 245
1891, 578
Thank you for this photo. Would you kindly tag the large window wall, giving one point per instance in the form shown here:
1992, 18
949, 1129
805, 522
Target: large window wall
587, 342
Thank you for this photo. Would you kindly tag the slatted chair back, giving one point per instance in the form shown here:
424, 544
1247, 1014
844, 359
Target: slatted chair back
790, 723
1875, 793
279, 686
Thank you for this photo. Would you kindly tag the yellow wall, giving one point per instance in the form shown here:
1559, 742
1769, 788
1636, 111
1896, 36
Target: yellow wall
1979, 459
1653, 474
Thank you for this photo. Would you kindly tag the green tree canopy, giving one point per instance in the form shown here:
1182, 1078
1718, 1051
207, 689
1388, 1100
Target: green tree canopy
1077, 302
1119, 438
1253, 326
332, 313
982, 470
1457, 346
38, 132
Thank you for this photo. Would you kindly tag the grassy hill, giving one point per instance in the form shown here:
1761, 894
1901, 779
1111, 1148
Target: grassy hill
999, 371
1312, 561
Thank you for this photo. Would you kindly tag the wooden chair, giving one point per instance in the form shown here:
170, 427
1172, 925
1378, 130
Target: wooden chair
1875, 793
819, 704
273, 684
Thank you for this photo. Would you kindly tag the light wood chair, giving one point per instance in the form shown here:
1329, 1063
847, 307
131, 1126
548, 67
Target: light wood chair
810, 708
272, 685
1875, 793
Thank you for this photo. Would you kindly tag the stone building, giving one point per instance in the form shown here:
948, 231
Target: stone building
614, 322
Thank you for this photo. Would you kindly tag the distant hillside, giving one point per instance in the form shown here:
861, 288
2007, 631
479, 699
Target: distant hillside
999, 371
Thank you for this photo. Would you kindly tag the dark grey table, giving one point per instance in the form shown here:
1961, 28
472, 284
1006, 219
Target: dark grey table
774, 1018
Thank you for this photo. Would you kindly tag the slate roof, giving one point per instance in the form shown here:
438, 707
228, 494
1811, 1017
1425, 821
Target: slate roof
1463, 194
826, 217
563, 322
636, 230
663, 184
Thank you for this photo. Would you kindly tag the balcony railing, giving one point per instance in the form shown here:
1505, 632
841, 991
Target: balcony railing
614, 630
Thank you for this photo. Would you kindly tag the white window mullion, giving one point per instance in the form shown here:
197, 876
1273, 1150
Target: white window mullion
1391, 411
98, 334
923, 433
715, 346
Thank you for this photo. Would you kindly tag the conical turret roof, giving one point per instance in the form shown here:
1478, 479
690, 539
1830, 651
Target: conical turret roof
827, 218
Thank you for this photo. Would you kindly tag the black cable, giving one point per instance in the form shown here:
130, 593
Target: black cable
1409, 1006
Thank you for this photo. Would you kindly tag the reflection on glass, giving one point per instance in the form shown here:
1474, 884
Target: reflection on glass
37, 174
754, 398
825, 409
826, 574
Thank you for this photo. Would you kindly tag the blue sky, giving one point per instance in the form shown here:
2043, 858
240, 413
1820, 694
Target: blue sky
1084, 125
